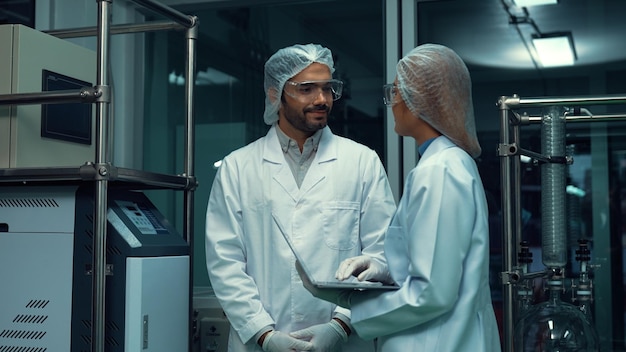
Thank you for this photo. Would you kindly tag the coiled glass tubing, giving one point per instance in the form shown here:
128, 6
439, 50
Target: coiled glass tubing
553, 208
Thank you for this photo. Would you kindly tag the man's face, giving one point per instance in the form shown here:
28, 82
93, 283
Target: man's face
305, 107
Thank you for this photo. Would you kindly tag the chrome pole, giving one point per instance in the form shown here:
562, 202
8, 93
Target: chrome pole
101, 184
116, 29
508, 246
516, 102
190, 70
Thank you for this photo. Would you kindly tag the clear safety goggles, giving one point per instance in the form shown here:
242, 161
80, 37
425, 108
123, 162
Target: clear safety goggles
308, 91
390, 91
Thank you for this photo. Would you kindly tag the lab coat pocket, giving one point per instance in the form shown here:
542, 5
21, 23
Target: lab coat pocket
396, 251
341, 224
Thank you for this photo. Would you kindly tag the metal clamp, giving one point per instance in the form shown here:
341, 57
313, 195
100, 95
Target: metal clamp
108, 270
102, 94
510, 277
507, 149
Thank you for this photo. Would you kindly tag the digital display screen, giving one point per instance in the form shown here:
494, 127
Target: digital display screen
142, 218
67, 121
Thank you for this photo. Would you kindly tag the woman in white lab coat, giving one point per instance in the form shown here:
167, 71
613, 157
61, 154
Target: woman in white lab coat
337, 208
437, 245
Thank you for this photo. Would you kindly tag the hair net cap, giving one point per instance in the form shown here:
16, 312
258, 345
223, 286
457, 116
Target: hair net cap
436, 86
285, 64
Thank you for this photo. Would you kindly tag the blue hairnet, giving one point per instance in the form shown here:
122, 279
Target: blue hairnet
285, 64
436, 87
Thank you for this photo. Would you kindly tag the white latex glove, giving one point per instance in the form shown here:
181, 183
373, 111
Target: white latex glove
340, 297
328, 337
365, 268
277, 341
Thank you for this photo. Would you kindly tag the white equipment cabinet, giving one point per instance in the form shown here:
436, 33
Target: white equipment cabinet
29, 137
36, 251
45, 263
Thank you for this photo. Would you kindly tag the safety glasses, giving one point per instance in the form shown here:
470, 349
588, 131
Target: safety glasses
308, 91
390, 91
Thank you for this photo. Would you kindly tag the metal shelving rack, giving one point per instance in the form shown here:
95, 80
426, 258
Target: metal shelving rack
510, 152
101, 172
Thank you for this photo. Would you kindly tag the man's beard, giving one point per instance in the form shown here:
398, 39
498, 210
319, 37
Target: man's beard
300, 122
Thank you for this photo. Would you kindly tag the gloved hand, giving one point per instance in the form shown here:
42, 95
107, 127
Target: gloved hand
277, 341
340, 297
326, 337
365, 268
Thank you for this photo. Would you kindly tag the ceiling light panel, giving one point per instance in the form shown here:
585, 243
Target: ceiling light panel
555, 50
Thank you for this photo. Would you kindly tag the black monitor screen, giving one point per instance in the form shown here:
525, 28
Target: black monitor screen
68, 121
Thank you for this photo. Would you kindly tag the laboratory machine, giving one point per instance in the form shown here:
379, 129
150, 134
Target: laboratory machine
44, 135
46, 259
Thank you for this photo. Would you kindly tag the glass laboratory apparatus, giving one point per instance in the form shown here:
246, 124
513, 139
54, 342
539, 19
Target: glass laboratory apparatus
555, 325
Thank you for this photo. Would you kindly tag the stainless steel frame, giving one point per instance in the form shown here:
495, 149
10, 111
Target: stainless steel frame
510, 151
101, 171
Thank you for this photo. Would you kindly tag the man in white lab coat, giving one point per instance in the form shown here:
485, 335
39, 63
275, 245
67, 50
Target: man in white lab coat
331, 195
438, 243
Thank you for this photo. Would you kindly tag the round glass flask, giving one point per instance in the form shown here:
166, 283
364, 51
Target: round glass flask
555, 325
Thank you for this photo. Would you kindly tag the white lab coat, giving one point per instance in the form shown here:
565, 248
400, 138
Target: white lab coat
437, 248
343, 207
